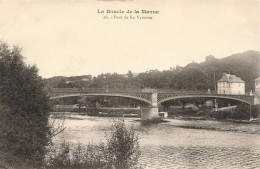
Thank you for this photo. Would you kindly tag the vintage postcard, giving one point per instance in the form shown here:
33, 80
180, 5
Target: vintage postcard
130, 84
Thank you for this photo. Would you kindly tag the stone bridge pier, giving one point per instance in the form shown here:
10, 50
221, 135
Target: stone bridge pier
151, 113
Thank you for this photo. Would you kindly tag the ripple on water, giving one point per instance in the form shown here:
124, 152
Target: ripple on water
177, 143
199, 157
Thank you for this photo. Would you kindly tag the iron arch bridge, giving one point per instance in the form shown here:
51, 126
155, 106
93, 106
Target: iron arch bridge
171, 96
144, 97
153, 99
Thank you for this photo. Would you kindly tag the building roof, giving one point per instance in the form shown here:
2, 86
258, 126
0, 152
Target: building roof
230, 78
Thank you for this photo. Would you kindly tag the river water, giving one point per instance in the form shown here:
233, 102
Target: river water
177, 143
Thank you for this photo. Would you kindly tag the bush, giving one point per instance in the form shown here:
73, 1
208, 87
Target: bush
60, 158
121, 151
78, 157
220, 115
241, 113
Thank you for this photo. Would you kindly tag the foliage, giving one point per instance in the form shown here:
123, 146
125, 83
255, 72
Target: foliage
220, 115
89, 156
120, 151
24, 109
241, 113
194, 76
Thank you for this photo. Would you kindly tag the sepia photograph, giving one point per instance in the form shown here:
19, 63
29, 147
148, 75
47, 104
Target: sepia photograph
129, 84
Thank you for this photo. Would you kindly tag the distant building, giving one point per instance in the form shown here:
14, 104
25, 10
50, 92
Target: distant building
231, 84
257, 90
85, 79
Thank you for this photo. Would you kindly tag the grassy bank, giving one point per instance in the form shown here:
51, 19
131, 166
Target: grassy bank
240, 113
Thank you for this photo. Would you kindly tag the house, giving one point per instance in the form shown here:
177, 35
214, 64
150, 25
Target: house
231, 84
257, 90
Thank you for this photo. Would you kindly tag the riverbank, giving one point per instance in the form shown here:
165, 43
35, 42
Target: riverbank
248, 127
250, 121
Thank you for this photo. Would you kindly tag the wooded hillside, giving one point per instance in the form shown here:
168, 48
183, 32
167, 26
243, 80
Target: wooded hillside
194, 76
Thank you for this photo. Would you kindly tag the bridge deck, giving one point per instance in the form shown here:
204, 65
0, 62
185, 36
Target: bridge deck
147, 96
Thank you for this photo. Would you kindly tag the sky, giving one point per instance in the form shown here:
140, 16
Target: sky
69, 38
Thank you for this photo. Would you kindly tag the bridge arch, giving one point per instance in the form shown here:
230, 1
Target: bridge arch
203, 96
102, 94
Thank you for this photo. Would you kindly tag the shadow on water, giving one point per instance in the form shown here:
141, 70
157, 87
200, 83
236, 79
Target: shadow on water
150, 123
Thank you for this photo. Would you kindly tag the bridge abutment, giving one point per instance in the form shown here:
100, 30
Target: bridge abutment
151, 113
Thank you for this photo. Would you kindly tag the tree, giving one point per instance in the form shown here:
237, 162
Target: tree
122, 149
130, 74
191, 79
24, 110
62, 84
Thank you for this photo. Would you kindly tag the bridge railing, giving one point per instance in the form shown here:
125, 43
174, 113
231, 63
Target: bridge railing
198, 92
186, 91
94, 90
121, 90
131, 90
